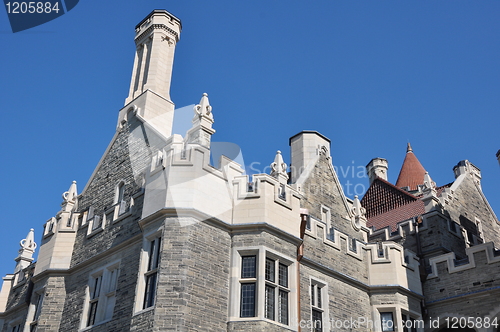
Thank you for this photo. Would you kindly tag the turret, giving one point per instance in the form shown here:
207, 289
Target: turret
465, 167
305, 149
377, 167
149, 95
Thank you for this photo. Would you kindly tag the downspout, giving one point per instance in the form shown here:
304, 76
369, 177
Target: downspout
423, 274
304, 215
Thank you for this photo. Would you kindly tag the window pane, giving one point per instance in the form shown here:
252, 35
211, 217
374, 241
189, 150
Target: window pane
313, 295
38, 306
247, 300
97, 287
270, 270
149, 295
283, 275
154, 254
317, 318
387, 321
157, 253
96, 223
283, 307
248, 266
92, 313
269, 304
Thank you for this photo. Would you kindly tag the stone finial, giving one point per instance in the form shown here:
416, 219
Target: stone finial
203, 109
201, 132
429, 197
26, 251
358, 211
428, 183
278, 167
70, 195
29, 242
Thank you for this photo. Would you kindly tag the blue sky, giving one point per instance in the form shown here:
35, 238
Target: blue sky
370, 75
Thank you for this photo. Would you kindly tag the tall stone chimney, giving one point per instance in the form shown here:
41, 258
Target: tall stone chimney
377, 167
305, 148
149, 95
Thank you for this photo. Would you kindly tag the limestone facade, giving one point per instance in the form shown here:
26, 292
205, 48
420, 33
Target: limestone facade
159, 239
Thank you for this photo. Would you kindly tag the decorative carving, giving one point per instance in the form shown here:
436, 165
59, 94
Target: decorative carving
428, 183
278, 167
70, 195
203, 108
29, 242
358, 212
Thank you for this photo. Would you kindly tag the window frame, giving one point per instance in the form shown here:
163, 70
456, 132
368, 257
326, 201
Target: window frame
319, 303
262, 255
35, 309
102, 303
145, 272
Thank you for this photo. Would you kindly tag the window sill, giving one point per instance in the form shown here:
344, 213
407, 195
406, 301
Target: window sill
94, 232
126, 214
19, 284
254, 319
87, 328
143, 311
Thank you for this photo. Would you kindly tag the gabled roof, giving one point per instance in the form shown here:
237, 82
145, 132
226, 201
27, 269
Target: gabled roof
383, 196
412, 172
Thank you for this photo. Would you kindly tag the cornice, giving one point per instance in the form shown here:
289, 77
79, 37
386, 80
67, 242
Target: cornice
157, 27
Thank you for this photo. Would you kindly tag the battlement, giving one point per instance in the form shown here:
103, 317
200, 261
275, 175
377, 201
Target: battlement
453, 265
388, 262
159, 17
266, 199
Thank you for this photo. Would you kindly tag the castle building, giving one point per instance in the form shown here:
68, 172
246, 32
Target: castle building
159, 239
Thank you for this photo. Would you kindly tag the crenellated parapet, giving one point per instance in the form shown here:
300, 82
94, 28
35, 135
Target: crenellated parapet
266, 199
388, 263
453, 265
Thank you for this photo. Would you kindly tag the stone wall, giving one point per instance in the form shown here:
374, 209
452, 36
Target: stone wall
321, 188
467, 201
193, 285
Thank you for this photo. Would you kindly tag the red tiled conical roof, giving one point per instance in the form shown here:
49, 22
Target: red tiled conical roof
412, 172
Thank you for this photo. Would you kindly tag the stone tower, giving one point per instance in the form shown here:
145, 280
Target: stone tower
155, 37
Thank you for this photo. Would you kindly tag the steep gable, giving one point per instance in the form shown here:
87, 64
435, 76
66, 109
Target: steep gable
322, 190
